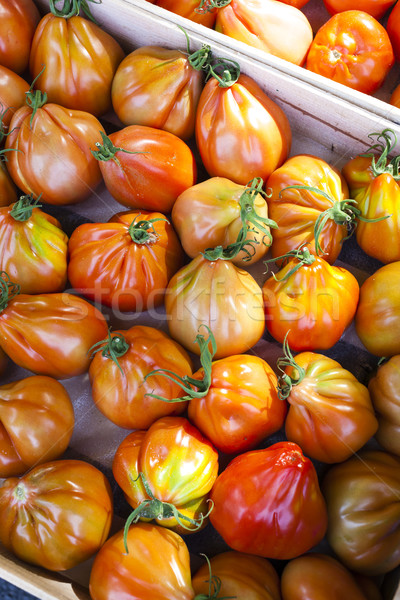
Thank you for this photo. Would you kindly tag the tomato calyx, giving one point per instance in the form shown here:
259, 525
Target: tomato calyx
225, 71
285, 381
248, 214
23, 208
302, 255
199, 59
206, 6
113, 347
194, 388
107, 151
214, 586
71, 8
143, 232
8, 290
385, 142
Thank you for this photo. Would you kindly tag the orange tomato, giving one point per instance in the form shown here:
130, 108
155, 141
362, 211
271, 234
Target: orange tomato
395, 97
375, 8
12, 95
18, 20
190, 10
393, 29
384, 388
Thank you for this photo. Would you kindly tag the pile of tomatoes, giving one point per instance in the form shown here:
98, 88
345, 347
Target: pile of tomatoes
222, 449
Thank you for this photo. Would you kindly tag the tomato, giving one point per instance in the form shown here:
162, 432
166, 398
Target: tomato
362, 496
296, 3
243, 118
54, 157
119, 390
354, 49
318, 577
240, 576
218, 294
375, 8
384, 388
80, 60
36, 423
213, 212
49, 334
172, 463
373, 184
268, 502
8, 191
3, 361
12, 94
189, 9
56, 516
274, 27
393, 29
125, 263
156, 566
312, 300
378, 313
299, 212
330, 413
395, 97
159, 88
18, 20
33, 248
146, 168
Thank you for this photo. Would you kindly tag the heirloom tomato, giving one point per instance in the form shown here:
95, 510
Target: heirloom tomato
268, 502
244, 119
314, 212
393, 29
296, 3
395, 97
275, 27
125, 263
8, 191
354, 49
237, 575
378, 313
166, 473
146, 168
155, 567
49, 334
57, 515
54, 156
214, 212
18, 20
80, 61
310, 301
120, 388
36, 423
191, 9
159, 88
3, 361
317, 576
33, 248
375, 8
12, 95
330, 413
384, 388
373, 183
362, 496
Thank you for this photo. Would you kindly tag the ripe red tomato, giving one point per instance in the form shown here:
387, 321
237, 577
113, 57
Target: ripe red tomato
296, 3
56, 516
36, 423
354, 49
268, 502
395, 97
12, 94
80, 60
18, 20
125, 263
244, 118
190, 10
118, 387
375, 8
384, 388
393, 29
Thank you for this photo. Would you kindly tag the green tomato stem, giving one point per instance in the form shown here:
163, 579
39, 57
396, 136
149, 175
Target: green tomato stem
113, 347
8, 290
22, 210
285, 381
71, 8
385, 142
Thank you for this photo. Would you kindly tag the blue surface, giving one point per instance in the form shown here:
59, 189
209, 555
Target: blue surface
9, 592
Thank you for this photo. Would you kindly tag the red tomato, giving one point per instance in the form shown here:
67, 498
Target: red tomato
384, 388
189, 9
393, 29
119, 390
296, 3
36, 423
125, 263
354, 49
268, 502
243, 118
395, 97
156, 566
146, 168
18, 20
80, 60
375, 8
176, 464
56, 516
12, 94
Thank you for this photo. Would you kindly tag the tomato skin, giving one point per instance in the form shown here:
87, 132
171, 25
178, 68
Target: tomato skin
362, 496
51, 334
18, 20
378, 314
395, 97
80, 60
187, 8
12, 93
55, 157
3, 361
393, 29
268, 502
157, 566
217, 294
121, 397
152, 179
296, 211
179, 464
8, 191
258, 143
384, 388
296, 3
56, 516
108, 266
275, 27
354, 49
242, 406
157, 87
375, 8
330, 413
36, 423
241, 575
